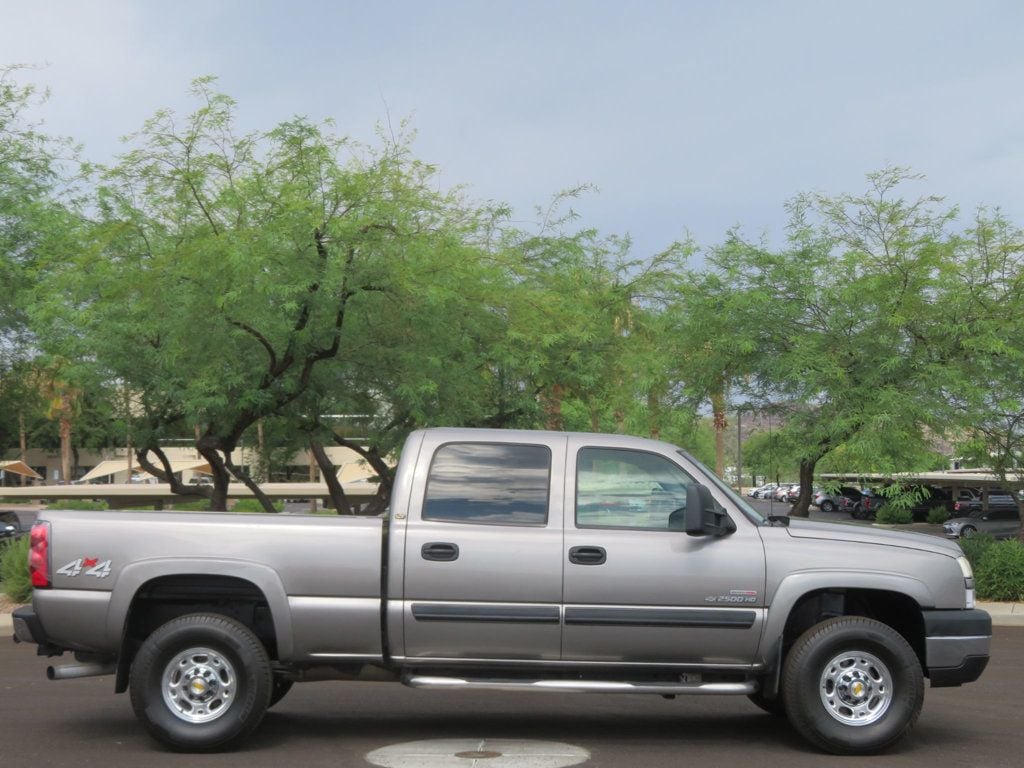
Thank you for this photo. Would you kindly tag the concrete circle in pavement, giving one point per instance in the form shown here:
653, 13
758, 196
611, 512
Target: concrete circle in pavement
478, 753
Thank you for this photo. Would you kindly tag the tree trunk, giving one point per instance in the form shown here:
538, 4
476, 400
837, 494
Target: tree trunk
718, 409
65, 437
164, 473
262, 464
242, 474
802, 508
654, 414
312, 479
22, 443
385, 474
330, 476
552, 403
221, 477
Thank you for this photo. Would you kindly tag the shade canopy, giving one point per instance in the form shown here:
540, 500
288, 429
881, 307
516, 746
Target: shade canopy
106, 468
19, 468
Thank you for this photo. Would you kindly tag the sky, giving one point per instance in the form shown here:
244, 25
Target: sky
689, 118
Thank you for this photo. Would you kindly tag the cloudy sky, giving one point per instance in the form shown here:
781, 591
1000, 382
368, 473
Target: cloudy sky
687, 116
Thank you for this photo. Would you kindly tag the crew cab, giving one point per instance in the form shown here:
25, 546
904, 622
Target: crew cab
513, 561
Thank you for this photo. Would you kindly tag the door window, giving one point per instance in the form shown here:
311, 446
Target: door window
629, 489
490, 483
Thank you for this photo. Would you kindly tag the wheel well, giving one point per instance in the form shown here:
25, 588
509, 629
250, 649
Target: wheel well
168, 597
895, 609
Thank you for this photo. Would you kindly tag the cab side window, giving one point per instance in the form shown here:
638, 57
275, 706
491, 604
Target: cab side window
629, 489
489, 483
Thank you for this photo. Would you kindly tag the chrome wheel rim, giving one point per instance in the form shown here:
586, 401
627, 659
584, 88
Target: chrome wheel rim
856, 688
199, 685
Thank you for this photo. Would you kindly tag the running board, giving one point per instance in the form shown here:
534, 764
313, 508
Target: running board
578, 686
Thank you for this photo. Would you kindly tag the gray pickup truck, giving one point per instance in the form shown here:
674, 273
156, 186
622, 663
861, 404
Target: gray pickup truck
518, 561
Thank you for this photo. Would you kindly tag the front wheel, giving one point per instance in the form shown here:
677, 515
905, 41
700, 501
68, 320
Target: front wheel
968, 531
852, 686
201, 682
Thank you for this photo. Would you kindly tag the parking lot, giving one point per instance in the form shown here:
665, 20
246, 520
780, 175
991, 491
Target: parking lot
82, 723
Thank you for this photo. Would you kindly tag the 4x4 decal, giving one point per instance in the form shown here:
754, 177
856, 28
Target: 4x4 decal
90, 566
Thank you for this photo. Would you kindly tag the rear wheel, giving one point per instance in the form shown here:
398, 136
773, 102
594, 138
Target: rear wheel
852, 686
828, 506
201, 682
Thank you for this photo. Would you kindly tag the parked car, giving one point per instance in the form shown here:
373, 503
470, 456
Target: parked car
932, 496
763, 491
830, 502
1002, 523
997, 499
793, 494
10, 525
782, 492
863, 504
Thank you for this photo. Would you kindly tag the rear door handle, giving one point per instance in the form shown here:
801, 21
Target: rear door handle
440, 551
587, 555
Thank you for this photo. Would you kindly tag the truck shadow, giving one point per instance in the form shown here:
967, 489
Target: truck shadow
757, 730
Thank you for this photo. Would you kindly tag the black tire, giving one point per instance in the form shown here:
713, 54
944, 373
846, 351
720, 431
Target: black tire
859, 513
281, 688
221, 675
828, 506
967, 531
881, 663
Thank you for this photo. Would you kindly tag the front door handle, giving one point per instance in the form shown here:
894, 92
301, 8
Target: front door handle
587, 555
440, 551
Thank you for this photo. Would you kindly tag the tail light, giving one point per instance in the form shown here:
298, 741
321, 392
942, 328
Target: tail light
39, 555
867, 503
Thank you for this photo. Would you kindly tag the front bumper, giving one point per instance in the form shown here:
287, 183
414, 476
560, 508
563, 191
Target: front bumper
957, 645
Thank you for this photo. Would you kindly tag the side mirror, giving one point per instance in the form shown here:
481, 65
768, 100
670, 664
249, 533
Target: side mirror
703, 515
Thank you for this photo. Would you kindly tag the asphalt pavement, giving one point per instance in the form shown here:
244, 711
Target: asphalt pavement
82, 723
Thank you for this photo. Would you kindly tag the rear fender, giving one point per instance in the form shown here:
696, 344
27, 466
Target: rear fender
132, 577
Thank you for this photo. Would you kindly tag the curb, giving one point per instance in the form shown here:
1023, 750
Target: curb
1003, 615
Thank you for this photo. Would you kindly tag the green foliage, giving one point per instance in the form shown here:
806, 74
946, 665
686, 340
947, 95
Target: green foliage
975, 547
893, 515
1000, 574
18, 500
93, 505
212, 280
14, 570
202, 505
938, 515
252, 505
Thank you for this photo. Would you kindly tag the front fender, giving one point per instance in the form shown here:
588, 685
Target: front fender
796, 585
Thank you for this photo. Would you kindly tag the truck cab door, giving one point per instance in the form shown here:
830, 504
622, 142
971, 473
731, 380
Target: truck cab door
483, 542
639, 590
